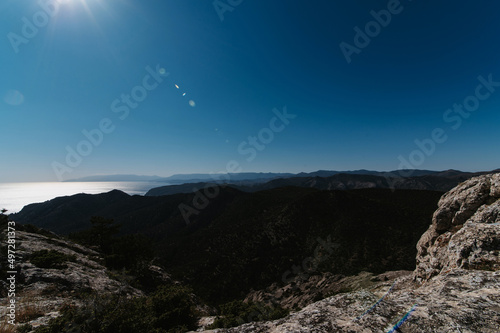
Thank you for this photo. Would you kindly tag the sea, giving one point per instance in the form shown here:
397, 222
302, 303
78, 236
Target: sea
14, 196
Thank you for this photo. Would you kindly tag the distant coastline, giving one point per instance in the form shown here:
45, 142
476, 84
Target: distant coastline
14, 196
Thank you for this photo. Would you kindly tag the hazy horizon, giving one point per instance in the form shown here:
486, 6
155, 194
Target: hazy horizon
162, 178
92, 87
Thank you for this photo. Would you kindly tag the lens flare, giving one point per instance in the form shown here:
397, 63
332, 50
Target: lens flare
13, 97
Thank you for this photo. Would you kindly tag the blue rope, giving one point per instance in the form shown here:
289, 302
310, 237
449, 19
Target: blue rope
377, 303
405, 318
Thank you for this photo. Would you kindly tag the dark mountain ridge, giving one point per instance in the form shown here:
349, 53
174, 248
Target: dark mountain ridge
257, 177
333, 180
242, 241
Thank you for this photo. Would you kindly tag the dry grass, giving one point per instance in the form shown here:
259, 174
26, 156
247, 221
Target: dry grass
28, 309
28, 312
7, 328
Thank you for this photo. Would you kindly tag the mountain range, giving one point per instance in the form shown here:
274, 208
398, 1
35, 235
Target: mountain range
335, 180
257, 177
186, 178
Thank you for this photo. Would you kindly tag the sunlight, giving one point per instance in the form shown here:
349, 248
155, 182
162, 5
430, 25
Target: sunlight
85, 5
88, 6
86, 10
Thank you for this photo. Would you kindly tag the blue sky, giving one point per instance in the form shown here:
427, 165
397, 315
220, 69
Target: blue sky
62, 77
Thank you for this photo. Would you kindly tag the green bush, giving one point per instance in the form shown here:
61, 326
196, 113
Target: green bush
236, 313
174, 307
36, 230
24, 328
50, 259
169, 310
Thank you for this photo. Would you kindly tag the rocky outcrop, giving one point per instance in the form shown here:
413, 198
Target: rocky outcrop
83, 273
299, 293
455, 287
464, 231
41, 292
